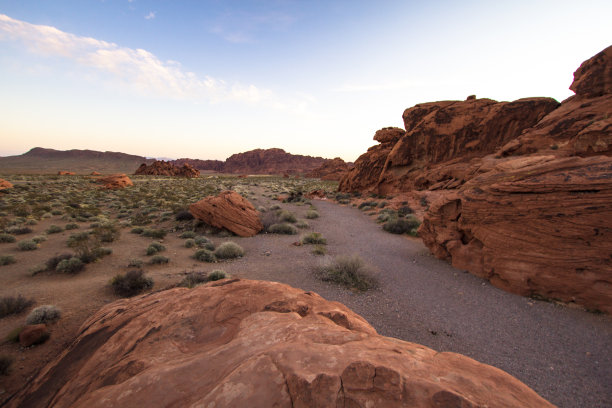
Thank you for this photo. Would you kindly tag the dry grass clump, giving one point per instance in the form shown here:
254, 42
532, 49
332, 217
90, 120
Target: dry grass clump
282, 228
7, 260
27, 245
314, 238
154, 248
44, 314
159, 259
205, 255
7, 238
312, 214
349, 271
229, 250
130, 284
10, 305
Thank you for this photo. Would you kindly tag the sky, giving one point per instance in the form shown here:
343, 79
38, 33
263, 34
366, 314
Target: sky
207, 79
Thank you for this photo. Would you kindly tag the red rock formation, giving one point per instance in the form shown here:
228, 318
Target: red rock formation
115, 181
65, 173
333, 169
5, 184
228, 210
33, 334
239, 343
271, 161
210, 165
95, 173
163, 168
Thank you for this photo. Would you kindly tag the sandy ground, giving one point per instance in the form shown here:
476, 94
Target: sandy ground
564, 354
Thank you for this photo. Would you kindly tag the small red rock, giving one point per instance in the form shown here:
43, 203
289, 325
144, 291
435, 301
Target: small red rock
33, 334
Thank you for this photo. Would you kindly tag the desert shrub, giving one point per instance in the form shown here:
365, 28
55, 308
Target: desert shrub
193, 279
314, 238
36, 269
159, 259
342, 196
302, 224
7, 238
27, 245
106, 232
13, 305
204, 242
275, 207
229, 250
319, 250
5, 364
71, 226
54, 229
349, 271
367, 205
406, 225
137, 230
52, 262
282, 228
183, 216
154, 248
130, 284
7, 260
101, 252
382, 204
286, 216
43, 314
188, 234
57, 212
39, 238
19, 230
135, 263
71, 266
404, 210
269, 218
205, 255
154, 233
312, 214
190, 243
216, 275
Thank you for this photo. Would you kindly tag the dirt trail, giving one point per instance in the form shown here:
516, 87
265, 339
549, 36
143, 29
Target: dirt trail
564, 354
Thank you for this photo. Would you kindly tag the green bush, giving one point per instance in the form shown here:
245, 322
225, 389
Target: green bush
19, 230
13, 305
349, 271
154, 248
159, 259
314, 238
7, 238
137, 230
130, 284
203, 242
286, 216
205, 255
72, 265
43, 314
188, 234
27, 245
7, 260
408, 225
54, 229
190, 243
216, 275
71, 226
154, 233
319, 250
193, 279
282, 228
302, 224
229, 250
135, 263
107, 232
312, 214
52, 263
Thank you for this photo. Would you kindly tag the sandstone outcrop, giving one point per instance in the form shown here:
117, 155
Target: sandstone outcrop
228, 210
206, 165
333, 169
522, 191
5, 184
271, 161
95, 173
115, 181
164, 168
239, 343
65, 173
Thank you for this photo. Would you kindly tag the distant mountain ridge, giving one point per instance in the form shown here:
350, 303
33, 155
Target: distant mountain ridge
258, 161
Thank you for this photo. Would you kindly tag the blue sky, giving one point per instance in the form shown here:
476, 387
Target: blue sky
206, 79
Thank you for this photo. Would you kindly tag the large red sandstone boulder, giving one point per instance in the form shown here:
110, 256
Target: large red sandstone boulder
115, 181
164, 168
228, 210
5, 184
333, 169
239, 343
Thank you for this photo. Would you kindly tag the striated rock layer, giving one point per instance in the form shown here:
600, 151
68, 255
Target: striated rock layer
239, 343
524, 189
228, 210
164, 168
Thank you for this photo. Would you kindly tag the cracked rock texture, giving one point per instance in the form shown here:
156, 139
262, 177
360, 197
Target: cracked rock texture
242, 343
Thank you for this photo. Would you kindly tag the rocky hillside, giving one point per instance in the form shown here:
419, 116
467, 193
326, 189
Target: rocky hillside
241, 343
519, 193
333, 169
271, 161
163, 168
202, 165
40, 160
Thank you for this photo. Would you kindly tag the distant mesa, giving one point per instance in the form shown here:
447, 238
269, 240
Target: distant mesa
271, 161
202, 165
5, 184
519, 193
115, 181
243, 343
163, 168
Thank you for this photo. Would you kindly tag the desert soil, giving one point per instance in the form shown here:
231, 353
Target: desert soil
563, 353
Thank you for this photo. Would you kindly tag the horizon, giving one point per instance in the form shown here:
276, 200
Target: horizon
205, 80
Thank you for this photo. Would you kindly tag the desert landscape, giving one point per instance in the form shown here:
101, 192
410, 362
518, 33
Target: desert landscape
463, 261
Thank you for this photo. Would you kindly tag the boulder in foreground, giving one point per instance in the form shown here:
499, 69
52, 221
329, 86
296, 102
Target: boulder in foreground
228, 210
240, 343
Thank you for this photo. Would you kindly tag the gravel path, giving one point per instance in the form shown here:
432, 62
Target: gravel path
564, 354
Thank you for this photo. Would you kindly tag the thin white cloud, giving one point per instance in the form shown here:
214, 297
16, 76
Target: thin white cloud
150, 16
136, 68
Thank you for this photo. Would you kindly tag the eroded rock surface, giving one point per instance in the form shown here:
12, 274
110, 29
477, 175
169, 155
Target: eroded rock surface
115, 181
271, 161
228, 210
239, 343
333, 169
5, 184
164, 168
